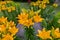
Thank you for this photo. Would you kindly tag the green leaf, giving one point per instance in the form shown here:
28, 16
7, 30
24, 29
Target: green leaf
17, 38
57, 15
44, 23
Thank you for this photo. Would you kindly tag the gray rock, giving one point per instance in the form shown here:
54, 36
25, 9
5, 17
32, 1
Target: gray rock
21, 31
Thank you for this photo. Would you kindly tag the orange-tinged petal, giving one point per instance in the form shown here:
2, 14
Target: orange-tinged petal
57, 30
44, 34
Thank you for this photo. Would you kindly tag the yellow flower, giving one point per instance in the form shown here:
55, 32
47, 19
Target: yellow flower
58, 21
22, 21
2, 19
7, 37
0, 38
11, 24
0, 10
55, 5
31, 13
40, 4
3, 7
44, 34
8, 1
45, 1
43, 6
56, 33
34, 3
2, 2
24, 11
9, 9
13, 30
13, 8
38, 1
2, 28
23, 16
37, 18
7, 29
28, 22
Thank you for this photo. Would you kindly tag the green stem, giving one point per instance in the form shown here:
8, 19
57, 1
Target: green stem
52, 38
29, 33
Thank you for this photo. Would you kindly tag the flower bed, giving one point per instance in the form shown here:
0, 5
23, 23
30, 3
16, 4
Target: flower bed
39, 22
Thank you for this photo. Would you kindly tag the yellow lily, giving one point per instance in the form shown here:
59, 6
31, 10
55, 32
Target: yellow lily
7, 37
55, 5
28, 22
23, 16
56, 33
44, 34
37, 18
